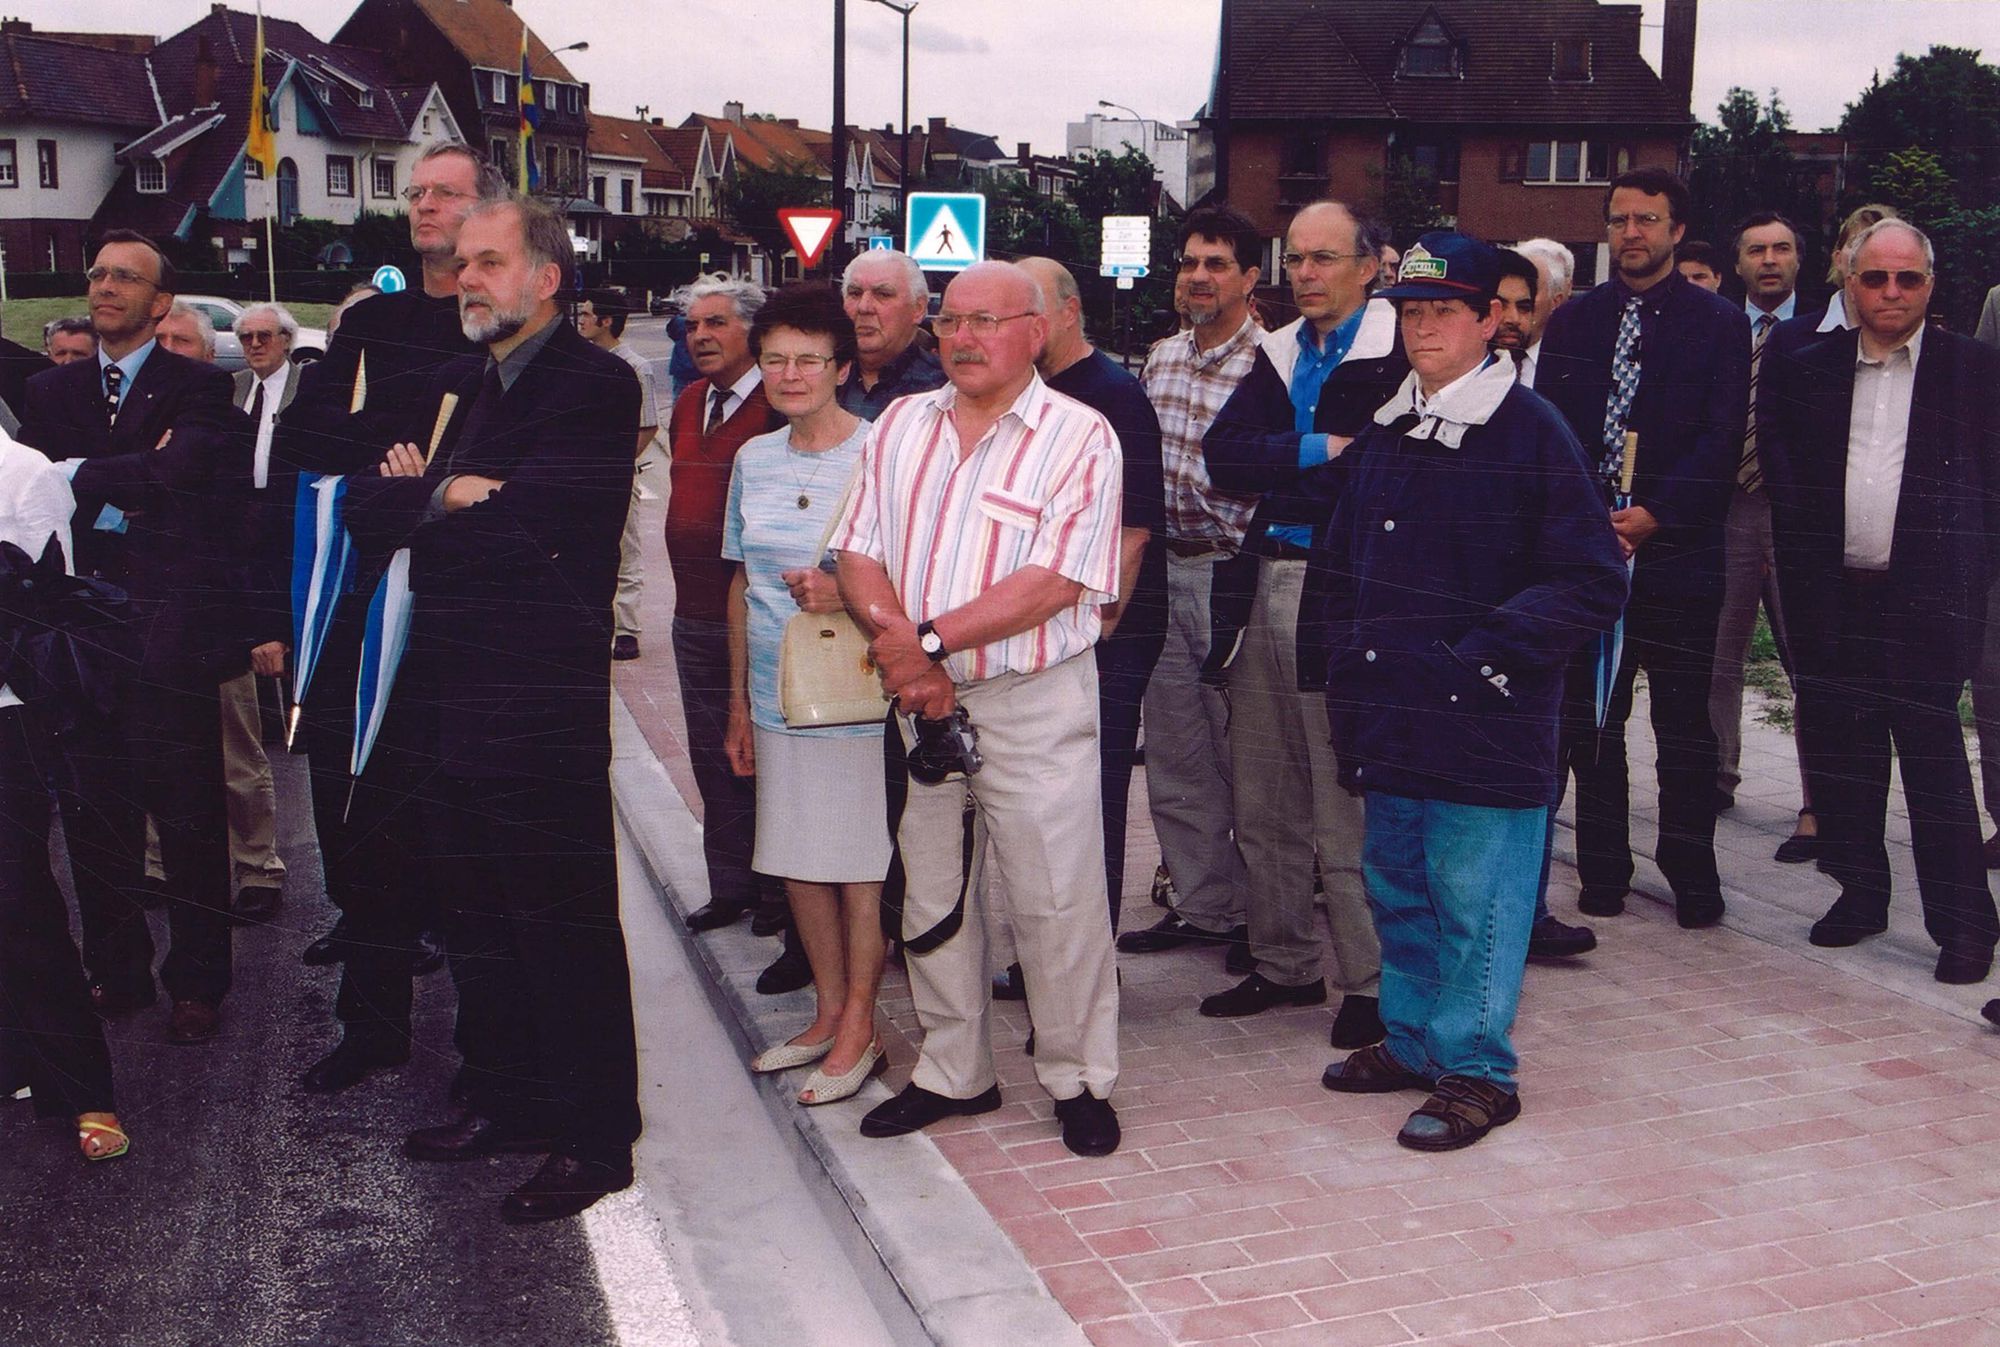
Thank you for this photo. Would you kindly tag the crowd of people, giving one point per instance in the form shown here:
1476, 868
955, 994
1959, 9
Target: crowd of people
1377, 583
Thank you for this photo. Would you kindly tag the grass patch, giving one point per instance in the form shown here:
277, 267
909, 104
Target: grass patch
23, 319
1762, 671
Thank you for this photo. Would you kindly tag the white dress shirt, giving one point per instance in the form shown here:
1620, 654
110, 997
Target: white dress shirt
274, 394
35, 506
733, 397
1878, 434
1788, 309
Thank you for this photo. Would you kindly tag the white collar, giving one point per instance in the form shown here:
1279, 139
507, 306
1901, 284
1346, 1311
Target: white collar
1836, 314
1915, 346
1785, 310
1467, 401
743, 387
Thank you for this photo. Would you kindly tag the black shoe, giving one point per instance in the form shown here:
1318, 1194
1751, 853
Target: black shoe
624, 647
1089, 1124
255, 903
471, 1136
715, 916
1239, 960
1991, 1010
768, 921
120, 997
428, 955
1257, 993
1357, 1023
192, 1021
330, 948
1169, 932
352, 1061
1725, 800
1698, 910
563, 1186
1796, 850
1847, 923
1961, 967
787, 973
1601, 902
1552, 939
1010, 984
917, 1108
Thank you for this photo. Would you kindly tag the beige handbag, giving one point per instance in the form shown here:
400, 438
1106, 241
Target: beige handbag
825, 675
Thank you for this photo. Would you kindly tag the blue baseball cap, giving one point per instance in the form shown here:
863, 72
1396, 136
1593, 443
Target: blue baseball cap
1444, 264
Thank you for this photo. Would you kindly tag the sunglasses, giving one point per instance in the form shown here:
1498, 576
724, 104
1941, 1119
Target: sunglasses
1905, 280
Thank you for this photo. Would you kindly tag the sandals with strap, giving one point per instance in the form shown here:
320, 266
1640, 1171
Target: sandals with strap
91, 1134
1371, 1070
1460, 1111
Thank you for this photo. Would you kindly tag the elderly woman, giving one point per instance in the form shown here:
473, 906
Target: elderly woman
822, 821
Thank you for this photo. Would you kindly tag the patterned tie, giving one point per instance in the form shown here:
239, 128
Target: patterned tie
114, 381
1749, 475
1624, 385
716, 398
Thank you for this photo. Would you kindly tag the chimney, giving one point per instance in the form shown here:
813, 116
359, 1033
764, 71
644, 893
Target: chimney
733, 112
937, 126
792, 122
1024, 154
204, 73
1677, 52
659, 121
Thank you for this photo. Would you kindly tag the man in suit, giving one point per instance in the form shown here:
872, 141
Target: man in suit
1654, 354
1312, 388
18, 364
350, 407
1883, 453
145, 436
513, 528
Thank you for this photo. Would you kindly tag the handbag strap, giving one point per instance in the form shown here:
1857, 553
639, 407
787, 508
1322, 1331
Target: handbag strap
839, 509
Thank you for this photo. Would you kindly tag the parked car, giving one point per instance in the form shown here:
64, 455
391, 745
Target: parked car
309, 345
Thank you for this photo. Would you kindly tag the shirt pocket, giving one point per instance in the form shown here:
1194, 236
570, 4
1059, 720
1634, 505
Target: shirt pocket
1010, 510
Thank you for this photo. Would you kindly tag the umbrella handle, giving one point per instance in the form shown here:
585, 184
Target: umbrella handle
446, 406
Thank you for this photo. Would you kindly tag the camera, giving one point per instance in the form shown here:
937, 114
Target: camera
944, 748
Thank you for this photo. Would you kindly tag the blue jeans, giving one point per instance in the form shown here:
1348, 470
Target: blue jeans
1453, 890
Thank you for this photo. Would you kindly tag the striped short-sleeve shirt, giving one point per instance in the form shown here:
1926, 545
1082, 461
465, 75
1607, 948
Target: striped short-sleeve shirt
1041, 488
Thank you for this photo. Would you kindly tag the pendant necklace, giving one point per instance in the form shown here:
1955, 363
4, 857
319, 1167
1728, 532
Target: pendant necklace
805, 487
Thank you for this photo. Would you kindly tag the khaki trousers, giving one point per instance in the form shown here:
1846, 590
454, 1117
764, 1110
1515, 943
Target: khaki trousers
253, 801
1036, 808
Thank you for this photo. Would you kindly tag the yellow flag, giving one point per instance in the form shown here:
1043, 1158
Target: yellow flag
262, 145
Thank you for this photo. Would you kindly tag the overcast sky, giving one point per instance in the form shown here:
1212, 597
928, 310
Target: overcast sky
1021, 69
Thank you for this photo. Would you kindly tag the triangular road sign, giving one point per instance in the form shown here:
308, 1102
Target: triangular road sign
810, 229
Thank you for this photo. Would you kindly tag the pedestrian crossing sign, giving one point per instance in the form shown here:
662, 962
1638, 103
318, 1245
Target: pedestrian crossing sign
947, 230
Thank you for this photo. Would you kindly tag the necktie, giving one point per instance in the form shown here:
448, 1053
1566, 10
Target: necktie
716, 397
1624, 386
114, 380
1520, 362
257, 406
1749, 474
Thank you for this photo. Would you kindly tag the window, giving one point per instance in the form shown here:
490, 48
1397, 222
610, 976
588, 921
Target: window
427, 123
385, 178
597, 190
253, 169
366, 98
339, 175
1435, 159
45, 162
1430, 52
10, 172
1565, 161
575, 98
1572, 59
499, 87
150, 175
625, 196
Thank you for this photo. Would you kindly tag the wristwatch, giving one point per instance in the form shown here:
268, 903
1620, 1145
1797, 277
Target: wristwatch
930, 642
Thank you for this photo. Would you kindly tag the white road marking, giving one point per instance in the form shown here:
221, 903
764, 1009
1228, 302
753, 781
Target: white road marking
642, 1298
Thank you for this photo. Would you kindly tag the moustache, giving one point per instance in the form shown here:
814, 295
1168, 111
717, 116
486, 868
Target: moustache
967, 358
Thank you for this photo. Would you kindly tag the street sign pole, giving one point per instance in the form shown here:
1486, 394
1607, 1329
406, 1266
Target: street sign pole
838, 254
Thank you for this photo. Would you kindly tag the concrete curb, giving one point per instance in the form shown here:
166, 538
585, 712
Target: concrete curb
967, 1283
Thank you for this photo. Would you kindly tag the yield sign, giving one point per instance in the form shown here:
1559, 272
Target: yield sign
810, 229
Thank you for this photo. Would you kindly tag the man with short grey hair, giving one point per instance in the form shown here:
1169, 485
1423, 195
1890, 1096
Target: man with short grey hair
1558, 267
69, 338
188, 331
885, 293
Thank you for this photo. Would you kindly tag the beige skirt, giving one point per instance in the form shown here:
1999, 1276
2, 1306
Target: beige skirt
822, 814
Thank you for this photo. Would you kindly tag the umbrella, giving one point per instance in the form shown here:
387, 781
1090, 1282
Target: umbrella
323, 566
1611, 644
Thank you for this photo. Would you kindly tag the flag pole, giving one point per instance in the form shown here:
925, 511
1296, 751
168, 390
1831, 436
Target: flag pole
263, 147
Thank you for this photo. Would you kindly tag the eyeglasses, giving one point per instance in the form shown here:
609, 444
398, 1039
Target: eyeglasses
119, 276
255, 337
445, 195
809, 365
1293, 261
1905, 280
1616, 223
1214, 266
979, 324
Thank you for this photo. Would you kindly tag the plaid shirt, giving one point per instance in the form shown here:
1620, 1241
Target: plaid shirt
1188, 387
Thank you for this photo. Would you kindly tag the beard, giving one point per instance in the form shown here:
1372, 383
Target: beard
1200, 311
494, 321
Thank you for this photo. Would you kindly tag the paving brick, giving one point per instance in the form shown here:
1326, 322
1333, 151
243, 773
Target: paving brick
1089, 1290
1819, 1327
1242, 1318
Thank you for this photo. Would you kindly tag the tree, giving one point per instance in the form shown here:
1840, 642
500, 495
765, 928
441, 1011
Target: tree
1406, 201
1740, 165
1916, 183
1946, 101
751, 202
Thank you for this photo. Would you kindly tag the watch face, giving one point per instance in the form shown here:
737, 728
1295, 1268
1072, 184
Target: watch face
931, 642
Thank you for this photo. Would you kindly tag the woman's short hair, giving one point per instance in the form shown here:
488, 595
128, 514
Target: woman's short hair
811, 307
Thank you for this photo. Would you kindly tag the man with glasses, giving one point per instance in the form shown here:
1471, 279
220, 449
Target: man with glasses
351, 406
1655, 355
1189, 376
977, 549
1885, 551
144, 434
1313, 387
885, 293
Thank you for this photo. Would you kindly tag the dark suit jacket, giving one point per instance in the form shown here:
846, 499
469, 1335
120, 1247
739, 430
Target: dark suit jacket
18, 364
174, 558
1947, 541
264, 519
510, 646
1694, 389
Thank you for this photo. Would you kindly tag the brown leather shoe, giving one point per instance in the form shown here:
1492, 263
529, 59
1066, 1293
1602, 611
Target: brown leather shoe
563, 1186
193, 1022
471, 1136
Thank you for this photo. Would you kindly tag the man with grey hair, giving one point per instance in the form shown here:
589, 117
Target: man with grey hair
885, 293
68, 338
188, 331
1886, 550
711, 419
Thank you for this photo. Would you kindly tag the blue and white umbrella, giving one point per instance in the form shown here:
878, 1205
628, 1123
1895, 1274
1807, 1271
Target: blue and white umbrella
1611, 644
384, 636
323, 569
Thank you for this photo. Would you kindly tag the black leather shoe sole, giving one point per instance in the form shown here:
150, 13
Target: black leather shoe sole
1594, 903
714, 917
1170, 932
1553, 939
917, 1108
563, 1187
1695, 913
1796, 850
1257, 994
1839, 930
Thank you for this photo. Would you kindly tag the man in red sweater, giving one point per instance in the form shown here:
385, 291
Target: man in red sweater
712, 418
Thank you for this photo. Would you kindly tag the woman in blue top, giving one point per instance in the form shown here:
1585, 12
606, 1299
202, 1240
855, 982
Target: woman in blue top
822, 819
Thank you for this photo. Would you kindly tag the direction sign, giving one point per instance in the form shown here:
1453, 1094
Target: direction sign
389, 280
1127, 242
947, 230
810, 228
881, 243
1121, 269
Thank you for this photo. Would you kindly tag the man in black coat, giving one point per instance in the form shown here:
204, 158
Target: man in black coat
374, 387
1652, 353
145, 435
514, 530
18, 364
1883, 451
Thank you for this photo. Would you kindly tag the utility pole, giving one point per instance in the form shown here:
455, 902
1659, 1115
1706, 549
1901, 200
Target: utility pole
837, 252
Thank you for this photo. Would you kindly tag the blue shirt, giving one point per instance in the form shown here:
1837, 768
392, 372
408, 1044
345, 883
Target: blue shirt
129, 366
1781, 313
1309, 376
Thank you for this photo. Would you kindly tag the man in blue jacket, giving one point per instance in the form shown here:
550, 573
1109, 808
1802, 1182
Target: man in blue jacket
1468, 558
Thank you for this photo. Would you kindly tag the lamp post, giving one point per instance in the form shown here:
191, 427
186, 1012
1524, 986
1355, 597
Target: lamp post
903, 173
1146, 149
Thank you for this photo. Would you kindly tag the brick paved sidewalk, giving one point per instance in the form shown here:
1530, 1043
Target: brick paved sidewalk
1728, 1137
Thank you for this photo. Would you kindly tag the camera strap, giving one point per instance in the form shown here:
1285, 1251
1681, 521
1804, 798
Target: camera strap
895, 885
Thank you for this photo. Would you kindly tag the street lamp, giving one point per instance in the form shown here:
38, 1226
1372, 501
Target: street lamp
1147, 150
905, 10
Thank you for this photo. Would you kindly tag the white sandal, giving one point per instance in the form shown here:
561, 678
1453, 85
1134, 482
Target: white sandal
788, 1055
825, 1089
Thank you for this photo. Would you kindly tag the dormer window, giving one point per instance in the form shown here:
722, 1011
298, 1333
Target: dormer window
1572, 59
1430, 52
366, 98
150, 176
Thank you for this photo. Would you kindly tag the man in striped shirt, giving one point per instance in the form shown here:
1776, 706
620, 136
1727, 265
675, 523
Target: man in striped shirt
980, 541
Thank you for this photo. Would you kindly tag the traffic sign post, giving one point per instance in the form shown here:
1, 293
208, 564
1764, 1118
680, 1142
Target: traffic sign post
881, 243
947, 230
810, 228
389, 280
1127, 244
